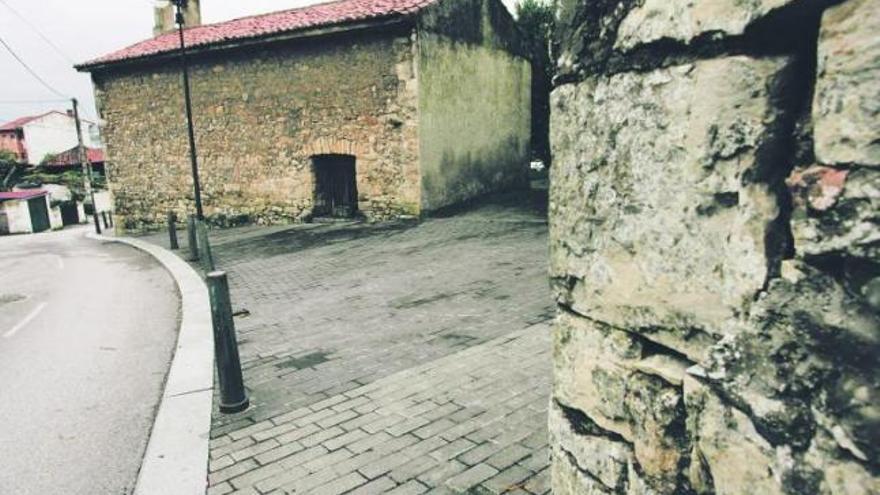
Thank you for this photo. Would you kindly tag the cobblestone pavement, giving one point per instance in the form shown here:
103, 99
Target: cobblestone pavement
390, 358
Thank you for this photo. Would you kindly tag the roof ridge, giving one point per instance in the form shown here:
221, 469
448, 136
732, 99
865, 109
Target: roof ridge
264, 14
332, 13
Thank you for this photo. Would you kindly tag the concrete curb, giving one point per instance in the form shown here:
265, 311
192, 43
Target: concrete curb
176, 460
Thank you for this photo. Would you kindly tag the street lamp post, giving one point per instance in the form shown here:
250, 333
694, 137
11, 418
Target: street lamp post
180, 5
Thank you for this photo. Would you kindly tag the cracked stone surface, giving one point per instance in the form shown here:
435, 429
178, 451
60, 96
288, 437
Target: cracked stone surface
715, 248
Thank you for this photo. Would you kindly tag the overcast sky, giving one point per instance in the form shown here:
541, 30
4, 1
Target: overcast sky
82, 30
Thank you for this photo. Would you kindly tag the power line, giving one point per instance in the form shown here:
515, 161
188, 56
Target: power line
19, 102
27, 68
39, 33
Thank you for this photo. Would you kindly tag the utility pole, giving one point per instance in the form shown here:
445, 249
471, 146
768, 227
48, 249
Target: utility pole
86, 165
180, 6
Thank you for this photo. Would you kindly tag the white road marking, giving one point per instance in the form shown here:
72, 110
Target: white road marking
27, 319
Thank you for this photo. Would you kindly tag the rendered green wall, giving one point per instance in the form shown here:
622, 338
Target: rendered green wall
474, 106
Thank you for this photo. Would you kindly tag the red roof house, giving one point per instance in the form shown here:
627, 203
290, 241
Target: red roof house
33, 137
19, 195
70, 158
354, 108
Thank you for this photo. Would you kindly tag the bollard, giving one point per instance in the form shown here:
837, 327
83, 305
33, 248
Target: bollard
233, 397
104, 217
204, 247
172, 231
110, 217
191, 235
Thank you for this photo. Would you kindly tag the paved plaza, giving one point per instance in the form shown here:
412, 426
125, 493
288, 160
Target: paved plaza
390, 358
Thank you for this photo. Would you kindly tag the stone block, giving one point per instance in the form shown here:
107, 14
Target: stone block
662, 207
839, 475
787, 365
567, 478
616, 387
575, 453
730, 451
846, 107
836, 212
685, 20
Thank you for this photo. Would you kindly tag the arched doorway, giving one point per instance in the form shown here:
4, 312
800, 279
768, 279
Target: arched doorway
335, 185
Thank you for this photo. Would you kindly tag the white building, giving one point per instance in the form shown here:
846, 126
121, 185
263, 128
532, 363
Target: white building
25, 212
32, 138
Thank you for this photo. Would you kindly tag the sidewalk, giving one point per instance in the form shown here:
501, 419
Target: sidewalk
391, 358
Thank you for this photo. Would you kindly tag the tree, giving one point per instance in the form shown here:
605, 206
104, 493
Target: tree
49, 158
9, 168
537, 20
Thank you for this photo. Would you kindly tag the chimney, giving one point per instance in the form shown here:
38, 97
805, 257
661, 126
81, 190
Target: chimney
164, 16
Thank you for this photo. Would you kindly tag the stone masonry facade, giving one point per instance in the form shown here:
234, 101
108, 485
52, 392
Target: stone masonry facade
260, 116
433, 105
715, 247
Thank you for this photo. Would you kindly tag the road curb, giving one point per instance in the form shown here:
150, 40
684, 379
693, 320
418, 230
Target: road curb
176, 459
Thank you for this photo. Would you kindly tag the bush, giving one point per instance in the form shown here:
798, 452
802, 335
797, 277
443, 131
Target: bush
72, 179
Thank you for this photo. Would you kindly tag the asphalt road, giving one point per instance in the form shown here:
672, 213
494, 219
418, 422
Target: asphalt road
87, 332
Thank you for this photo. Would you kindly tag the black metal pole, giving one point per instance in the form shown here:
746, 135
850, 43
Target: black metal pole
197, 189
172, 230
192, 238
233, 397
204, 247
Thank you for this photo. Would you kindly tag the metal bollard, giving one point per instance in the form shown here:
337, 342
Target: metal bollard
110, 217
233, 397
204, 247
172, 231
191, 235
104, 217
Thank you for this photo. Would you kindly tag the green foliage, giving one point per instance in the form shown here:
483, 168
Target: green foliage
537, 20
7, 156
72, 179
9, 168
49, 158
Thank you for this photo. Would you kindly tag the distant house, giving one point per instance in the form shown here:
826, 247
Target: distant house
70, 160
32, 138
24, 212
379, 108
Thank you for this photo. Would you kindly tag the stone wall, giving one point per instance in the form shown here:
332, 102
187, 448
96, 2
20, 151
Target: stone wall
260, 114
715, 247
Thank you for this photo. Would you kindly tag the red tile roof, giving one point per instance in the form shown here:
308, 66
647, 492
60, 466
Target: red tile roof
71, 157
22, 194
20, 122
326, 14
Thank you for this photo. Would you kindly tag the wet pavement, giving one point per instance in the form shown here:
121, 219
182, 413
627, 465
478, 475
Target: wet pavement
87, 331
360, 341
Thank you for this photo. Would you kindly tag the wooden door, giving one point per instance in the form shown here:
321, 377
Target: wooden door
335, 186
